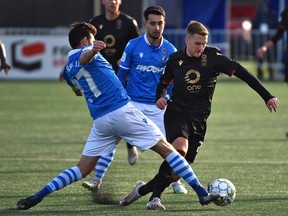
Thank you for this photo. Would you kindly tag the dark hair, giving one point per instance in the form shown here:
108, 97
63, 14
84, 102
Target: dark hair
154, 9
80, 30
195, 27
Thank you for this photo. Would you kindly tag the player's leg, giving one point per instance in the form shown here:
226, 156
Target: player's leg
259, 68
165, 174
270, 63
132, 150
181, 167
101, 168
66, 177
157, 116
132, 154
163, 179
99, 143
166, 150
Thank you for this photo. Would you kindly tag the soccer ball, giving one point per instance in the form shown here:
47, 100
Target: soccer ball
224, 187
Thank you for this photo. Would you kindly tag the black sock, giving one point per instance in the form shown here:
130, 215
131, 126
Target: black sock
162, 180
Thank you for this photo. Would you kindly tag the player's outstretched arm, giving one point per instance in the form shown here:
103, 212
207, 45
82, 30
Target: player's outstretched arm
87, 56
272, 104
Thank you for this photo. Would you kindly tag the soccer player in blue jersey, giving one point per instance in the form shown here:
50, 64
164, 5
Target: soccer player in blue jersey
115, 28
114, 118
142, 64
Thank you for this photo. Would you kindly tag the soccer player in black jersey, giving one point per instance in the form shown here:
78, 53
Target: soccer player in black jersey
194, 72
116, 28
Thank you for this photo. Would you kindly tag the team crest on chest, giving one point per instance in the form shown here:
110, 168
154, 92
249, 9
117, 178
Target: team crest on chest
164, 58
204, 60
119, 24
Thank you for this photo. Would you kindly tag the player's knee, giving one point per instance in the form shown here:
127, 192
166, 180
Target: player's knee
180, 144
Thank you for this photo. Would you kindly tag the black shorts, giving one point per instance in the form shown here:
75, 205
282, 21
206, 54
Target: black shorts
179, 124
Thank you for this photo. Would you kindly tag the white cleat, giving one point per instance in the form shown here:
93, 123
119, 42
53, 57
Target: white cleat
133, 195
155, 204
92, 184
132, 155
179, 188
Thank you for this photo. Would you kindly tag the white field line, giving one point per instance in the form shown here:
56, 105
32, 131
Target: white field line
152, 161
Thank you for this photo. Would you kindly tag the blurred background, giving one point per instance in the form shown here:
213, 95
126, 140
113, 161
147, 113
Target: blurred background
35, 31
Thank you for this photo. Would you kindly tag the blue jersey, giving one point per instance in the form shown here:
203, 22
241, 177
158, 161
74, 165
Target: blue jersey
145, 63
97, 81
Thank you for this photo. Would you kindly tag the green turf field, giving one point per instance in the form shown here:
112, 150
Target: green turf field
43, 128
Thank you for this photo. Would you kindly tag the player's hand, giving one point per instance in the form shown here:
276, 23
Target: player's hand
98, 46
6, 68
161, 103
272, 104
261, 51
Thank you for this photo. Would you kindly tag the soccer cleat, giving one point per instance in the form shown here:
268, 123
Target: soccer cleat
92, 185
155, 204
132, 155
29, 202
205, 200
133, 195
179, 188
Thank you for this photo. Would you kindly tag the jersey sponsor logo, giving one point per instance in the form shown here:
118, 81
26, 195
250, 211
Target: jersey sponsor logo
192, 77
194, 88
149, 68
109, 40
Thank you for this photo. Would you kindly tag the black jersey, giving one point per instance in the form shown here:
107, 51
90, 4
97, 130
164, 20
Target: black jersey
195, 79
116, 34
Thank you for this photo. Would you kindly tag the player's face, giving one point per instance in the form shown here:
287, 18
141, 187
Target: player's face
88, 41
195, 44
112, 6
155, 26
